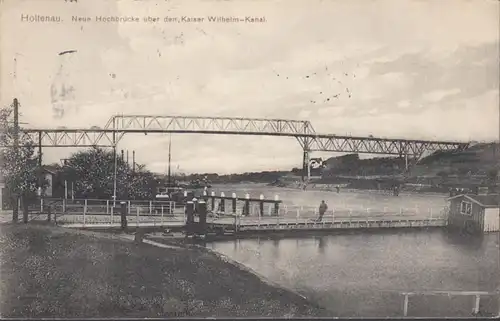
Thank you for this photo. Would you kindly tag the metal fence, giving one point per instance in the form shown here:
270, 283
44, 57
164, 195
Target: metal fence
101, 212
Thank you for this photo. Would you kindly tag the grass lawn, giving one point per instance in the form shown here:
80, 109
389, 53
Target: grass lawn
49, 271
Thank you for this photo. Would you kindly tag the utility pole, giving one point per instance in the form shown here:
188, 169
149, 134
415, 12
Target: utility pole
169, 159
15, 209
116, 163
133, 161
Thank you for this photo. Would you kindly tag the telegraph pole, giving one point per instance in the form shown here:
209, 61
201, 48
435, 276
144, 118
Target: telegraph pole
15, 209
169, 159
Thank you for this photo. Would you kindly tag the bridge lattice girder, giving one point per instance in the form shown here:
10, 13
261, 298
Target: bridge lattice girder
118, 126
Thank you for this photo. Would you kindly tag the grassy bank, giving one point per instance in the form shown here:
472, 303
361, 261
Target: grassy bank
50, 271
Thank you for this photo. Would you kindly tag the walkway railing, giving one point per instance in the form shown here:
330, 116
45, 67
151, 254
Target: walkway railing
310, 212
475, 296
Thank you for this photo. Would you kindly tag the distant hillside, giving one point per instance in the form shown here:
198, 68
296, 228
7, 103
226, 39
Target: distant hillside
479, 159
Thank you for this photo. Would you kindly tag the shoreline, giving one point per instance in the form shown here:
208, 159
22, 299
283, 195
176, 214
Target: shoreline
179, 244
50, 271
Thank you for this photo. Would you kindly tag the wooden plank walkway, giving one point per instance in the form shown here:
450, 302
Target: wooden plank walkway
131, 225
290, 223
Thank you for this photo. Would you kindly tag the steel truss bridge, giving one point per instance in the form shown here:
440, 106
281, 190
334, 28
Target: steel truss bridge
303, 131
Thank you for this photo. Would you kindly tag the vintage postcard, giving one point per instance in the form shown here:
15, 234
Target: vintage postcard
249, 158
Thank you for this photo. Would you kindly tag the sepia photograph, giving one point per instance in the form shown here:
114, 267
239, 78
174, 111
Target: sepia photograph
249, 159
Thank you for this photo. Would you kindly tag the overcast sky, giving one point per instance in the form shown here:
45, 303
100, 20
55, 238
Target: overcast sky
413, 69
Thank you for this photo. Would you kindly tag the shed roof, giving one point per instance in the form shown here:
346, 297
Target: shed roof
490, 200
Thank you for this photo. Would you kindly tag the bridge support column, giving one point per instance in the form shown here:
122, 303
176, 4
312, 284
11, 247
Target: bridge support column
306, 167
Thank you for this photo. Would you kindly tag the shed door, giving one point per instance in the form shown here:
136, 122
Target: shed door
491, 219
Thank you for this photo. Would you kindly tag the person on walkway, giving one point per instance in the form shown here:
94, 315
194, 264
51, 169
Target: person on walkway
322, 209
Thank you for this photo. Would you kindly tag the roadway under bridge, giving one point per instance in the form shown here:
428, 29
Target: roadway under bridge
303, 131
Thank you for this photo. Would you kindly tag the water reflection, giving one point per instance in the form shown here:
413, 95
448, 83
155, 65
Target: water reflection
338, 270
322, 244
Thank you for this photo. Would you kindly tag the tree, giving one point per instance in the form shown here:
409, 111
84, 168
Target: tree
92, 173
19, 168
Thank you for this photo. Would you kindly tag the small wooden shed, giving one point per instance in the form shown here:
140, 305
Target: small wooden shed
475, 213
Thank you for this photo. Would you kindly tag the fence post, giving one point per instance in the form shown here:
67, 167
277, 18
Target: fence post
137, 217
297, 217
202, 215
261, 205
246, 207
476, 304
84, 211
129, 210
123, 214
150, 207
48, 213
405, 306
112, 210
64, 206
222, 203
212, 196
234, 203
162, 214
189, 218
276, 205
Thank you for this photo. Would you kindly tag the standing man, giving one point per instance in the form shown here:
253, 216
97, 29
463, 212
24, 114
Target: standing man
322, 209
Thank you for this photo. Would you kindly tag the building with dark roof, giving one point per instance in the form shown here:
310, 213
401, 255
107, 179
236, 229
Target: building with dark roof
475, 213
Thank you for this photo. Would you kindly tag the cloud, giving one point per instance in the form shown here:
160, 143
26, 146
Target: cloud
409, 65
438, 95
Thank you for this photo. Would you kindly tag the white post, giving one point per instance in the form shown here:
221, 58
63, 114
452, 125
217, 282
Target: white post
84, 211
476, 304
137, 217
64, 206
107, 207
405, 306
258, 220
112, 208
297, 217
333, 216
162, 214
129, 208
150, 207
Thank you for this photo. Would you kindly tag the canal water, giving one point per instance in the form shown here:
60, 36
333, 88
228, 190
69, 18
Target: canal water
356, 201
363, 275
